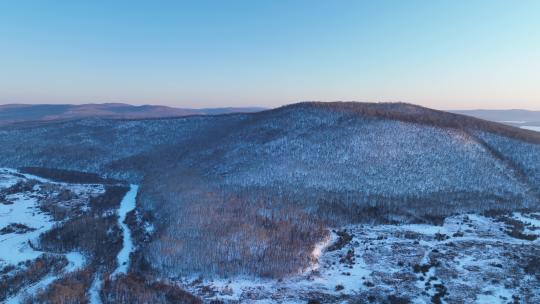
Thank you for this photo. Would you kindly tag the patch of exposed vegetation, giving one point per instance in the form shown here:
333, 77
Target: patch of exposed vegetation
343, 239
133, 288
68, 176
16, 228
14, 279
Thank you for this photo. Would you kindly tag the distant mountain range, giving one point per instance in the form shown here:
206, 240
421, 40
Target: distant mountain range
513, 117
13, 113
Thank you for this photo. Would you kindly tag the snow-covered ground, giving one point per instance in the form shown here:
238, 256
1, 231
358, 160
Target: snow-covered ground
15, 247
126, 205
94, 290
23, 220
469, 259
75, 262
23, 208
534, 128
513, 121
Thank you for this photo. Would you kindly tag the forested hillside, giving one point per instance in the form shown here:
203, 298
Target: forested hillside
253, 193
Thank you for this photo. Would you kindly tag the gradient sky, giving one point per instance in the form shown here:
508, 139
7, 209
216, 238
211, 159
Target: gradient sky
442, 54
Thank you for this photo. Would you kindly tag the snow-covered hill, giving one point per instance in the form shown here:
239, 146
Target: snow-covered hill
255, 194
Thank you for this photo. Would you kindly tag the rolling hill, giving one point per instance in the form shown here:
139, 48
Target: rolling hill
254, 193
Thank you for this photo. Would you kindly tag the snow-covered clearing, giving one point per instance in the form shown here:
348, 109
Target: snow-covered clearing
15, 247
469, 259
23, 220
317, 252
533, 128
22, 209
75, 261
532, 220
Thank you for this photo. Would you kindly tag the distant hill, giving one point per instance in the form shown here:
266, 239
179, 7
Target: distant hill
14, 113
513, 117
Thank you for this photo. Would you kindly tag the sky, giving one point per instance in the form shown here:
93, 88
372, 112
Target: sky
452, 54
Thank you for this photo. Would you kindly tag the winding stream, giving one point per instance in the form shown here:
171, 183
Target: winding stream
126, 205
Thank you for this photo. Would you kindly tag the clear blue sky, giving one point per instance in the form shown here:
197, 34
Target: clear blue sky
443, 54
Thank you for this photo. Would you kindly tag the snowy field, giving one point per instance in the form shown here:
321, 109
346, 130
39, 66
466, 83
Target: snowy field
21, 217
469, 259
22, 220
534, 128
